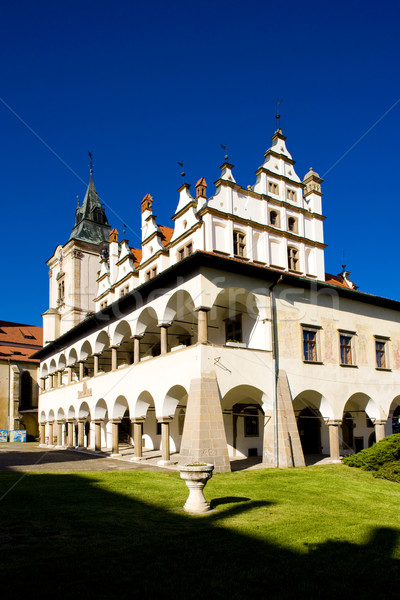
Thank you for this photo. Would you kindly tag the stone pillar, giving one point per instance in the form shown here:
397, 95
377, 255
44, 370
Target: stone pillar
59, 434
137, 438
95, 364
42, 384
70, 434
97, 436
114, 358
166, 456
136, 348
51, 441
81, 370
333, 426
42, 434
203, 438
59, 378
379, 430
81, 433
202, 325
115, 443
164, 336
69, 375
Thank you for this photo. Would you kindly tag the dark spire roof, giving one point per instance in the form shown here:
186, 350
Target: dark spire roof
91, 224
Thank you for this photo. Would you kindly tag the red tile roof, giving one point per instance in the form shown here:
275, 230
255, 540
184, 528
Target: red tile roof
336, 280
137, 256
19, 341
166, 233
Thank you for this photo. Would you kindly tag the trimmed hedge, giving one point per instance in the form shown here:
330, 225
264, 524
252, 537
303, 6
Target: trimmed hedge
382, 458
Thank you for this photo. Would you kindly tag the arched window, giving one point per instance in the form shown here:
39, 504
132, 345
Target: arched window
273, 218
239, 243
293, 259
292, 224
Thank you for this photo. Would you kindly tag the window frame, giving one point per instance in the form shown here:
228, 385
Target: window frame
239, 245
295, 228
290, 258
350, 335
273, 188
235, 332
315, 329
277, 223
383, 340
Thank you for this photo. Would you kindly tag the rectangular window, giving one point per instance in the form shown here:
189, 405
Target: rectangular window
273, 188
186, 251
310, 345
251, 423
346, 356
233, 329
150, 274
291, 195
239, 243
380, 353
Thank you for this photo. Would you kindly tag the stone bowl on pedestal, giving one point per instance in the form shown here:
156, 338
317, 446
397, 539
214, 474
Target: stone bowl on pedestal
196, 476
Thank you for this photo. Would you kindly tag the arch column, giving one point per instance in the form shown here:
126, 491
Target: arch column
137, 439
114, 431
80, 362
379, 430
202, 325
42, 434
97, 436
59, 434
333, 427
164, 336
95, 364
136, 347
59, 378
51, 440
42, 384
165, 446
70, 433
114, 358
81, 433
69, 375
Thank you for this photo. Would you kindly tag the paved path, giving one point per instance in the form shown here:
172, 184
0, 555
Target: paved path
29, 457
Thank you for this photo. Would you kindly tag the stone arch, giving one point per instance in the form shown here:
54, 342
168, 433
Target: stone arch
100, 410
147, 327
71, 413
83, 411
53, 367
85, 351
180, 312
393, 422
60, 414
312, 411
174, 406
121, 333
44, 370
51, 416
243, 409
62, 362
42, 417
121, 411
144, 408
72, 357
102, 342
238, 309
359, 413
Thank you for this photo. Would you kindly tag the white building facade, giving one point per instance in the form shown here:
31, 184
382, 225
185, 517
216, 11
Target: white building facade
220, 338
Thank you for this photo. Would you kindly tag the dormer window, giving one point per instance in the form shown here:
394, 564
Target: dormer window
239, 243
293, 259
292, 224
291, 195
273, 188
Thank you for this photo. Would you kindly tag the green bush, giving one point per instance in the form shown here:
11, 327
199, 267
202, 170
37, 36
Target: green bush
372, 459
390, 471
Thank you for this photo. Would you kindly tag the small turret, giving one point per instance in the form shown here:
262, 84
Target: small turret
201, 189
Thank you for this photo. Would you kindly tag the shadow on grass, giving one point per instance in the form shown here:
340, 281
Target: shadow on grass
67, 536
227, 500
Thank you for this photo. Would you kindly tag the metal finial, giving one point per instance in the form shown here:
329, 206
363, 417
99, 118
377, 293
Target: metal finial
277, 116
124, 231
183, 172
91, 162
77, 200
226, 155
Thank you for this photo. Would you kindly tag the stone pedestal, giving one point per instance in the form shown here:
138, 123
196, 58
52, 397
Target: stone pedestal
196, 478
379, 430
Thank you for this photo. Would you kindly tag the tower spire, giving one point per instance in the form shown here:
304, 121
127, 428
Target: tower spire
91, 164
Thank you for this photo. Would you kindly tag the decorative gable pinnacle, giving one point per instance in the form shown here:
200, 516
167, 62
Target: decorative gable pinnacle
201, 188
113, 236
147, 203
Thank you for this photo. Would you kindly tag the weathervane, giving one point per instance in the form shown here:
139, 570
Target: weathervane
277, 116
183, 171
226, 155
91, 162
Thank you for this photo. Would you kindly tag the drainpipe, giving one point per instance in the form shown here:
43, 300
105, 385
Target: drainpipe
275, 364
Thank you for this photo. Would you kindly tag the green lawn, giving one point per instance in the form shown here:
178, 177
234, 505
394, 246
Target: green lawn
320, 532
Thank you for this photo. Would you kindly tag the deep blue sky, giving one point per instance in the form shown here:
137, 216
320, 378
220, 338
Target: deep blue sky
144, 85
